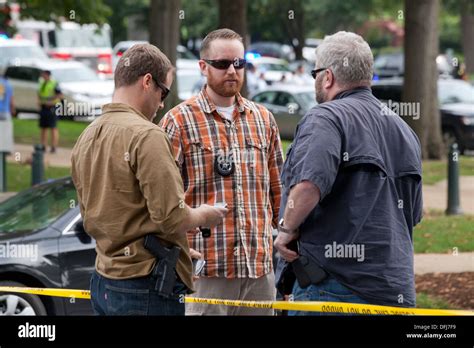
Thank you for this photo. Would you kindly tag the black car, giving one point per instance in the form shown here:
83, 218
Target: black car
43, 244
456, 103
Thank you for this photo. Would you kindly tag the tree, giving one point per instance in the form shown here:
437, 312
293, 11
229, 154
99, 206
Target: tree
164, 33
233, 15
467, 33
421, 74
81, 11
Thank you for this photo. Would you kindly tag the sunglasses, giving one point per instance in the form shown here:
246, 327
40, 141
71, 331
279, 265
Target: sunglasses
165, 91
316, 71
223, 64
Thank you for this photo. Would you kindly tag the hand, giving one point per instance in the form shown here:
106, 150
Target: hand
281, 243
213, 216
195, 255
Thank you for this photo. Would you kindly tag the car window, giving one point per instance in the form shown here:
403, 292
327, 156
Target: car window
307, 100
283, 99
23, 73
38, 207
14, 54
387, 92
265, 97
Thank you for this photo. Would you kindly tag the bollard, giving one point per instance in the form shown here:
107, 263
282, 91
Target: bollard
454, 207
37, 166
3, 171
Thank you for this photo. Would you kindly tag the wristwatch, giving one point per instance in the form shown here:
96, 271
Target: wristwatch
282, 228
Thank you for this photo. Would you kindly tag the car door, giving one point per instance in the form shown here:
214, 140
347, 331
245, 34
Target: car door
287, 115
77, 258
24, 81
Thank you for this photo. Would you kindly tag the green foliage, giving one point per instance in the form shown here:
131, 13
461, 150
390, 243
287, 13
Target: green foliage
81, 11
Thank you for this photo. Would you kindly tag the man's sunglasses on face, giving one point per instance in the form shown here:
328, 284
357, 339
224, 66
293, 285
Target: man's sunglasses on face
164, 90
316, 71
223, 64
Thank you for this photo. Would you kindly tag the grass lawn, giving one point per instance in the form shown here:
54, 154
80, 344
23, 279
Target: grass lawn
28, 132
423, 300
19, 176
438, 233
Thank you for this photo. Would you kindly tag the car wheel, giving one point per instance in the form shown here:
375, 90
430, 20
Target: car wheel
449, 138
20, 304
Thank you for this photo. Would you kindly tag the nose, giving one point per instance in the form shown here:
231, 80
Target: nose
161, 105
231, 69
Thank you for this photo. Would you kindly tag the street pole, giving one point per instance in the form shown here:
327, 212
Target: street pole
3, 171
37, 166
454, 207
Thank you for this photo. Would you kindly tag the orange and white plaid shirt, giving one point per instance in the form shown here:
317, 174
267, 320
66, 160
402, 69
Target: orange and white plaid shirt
241, 247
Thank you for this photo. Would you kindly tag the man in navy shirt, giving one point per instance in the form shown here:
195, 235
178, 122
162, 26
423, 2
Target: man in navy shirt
351, 188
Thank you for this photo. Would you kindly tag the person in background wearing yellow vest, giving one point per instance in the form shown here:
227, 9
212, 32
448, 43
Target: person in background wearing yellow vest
49, 95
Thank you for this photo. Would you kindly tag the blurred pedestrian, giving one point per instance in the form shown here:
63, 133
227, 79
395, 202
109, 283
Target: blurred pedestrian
7, 108
49, 95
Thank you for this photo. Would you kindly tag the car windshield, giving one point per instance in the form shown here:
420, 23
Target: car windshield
12, 53
456, 91
83, 37
37, 208
307, 100
74, 74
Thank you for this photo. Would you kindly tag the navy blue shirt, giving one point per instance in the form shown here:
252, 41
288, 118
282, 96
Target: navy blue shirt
367, 165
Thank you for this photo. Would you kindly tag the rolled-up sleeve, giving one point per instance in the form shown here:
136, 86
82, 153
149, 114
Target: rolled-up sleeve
160, 181
315, 154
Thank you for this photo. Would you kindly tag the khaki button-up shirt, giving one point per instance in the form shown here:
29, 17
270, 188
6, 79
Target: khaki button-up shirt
128, 186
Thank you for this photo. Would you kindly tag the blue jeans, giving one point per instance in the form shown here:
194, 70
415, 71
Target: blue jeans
329, 290
135, 296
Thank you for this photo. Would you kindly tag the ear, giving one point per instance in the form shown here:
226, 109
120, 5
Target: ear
203, 66
147, 81
330, 81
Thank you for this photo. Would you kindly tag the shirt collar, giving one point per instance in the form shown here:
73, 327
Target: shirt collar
356, 90
121, 107
209, 107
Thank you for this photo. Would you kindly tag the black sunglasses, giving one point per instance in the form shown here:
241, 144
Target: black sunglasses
223, 64
316, 71
164, 90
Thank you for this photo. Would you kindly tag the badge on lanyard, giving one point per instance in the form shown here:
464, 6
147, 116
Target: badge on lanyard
224, 164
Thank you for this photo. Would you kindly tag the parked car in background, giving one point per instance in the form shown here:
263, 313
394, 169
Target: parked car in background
273, 69
84, 92
288, 105
43, 226
456, 103
393, 65
87, 43
272, 49
16, 52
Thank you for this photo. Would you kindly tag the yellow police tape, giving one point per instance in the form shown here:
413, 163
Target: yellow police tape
311, 306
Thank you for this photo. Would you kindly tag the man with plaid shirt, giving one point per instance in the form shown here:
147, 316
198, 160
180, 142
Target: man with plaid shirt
229, 151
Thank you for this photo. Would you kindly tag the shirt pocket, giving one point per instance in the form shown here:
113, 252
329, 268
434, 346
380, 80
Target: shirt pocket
199, 162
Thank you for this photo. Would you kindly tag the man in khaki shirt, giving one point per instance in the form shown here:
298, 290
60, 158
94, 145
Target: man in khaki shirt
129, 186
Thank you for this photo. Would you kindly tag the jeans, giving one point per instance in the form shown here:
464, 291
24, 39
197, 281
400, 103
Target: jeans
135, 296
329, 290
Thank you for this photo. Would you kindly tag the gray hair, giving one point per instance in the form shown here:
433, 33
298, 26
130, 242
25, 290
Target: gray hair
348, 56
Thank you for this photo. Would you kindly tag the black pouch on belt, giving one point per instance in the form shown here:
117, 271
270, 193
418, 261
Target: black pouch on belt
307, 272
165, 269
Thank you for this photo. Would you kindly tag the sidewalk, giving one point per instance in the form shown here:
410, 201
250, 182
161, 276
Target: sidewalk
444, 263
436, 196
62, 157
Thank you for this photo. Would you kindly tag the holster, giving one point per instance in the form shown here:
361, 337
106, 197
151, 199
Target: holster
307, 272
165, 269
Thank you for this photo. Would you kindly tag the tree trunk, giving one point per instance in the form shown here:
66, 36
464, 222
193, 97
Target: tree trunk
467, 34
233, 15
293, 20
421, 74
164, 34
